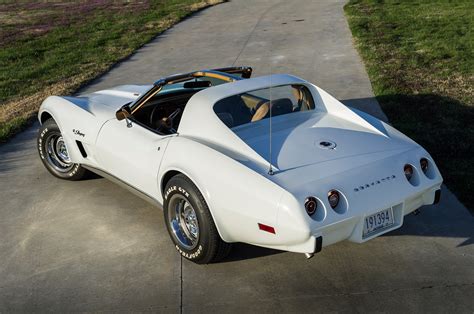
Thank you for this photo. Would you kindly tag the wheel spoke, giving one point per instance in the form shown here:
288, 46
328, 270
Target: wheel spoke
183, 222
57, 154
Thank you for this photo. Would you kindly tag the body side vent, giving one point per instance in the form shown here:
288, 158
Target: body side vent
81, 149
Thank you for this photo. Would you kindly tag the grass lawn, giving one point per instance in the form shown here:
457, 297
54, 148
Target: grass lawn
420, 58
54, 47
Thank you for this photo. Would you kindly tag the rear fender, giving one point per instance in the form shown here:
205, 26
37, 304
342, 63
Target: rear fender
238, 197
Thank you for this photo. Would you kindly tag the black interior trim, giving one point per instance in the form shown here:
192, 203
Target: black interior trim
132, 119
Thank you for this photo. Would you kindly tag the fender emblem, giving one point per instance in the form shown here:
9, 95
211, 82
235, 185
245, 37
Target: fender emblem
78, 133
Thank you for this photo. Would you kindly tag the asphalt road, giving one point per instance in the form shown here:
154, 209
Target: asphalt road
91, 246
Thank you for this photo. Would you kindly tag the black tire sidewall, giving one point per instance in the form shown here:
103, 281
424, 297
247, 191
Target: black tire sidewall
206, 246
46, 129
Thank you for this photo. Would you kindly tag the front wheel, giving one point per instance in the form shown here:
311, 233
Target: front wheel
190, 224
54, 153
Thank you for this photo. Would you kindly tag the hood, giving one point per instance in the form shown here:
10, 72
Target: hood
303, 139
104, 103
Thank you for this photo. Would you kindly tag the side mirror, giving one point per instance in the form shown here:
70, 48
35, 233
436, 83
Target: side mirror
123, 113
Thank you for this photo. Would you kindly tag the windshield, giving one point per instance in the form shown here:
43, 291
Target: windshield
255, 105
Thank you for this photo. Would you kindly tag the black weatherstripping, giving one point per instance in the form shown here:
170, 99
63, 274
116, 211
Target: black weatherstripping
197, 84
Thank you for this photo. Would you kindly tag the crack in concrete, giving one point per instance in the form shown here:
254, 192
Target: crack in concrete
253, 31
351, 294
368, 292
181, 284
400, 289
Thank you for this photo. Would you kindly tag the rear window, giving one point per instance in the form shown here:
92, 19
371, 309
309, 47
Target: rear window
254, 106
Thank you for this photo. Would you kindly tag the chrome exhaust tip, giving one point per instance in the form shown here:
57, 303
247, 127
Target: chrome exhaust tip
308, 255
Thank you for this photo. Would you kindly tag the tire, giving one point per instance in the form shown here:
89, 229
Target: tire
194, 233
54, 155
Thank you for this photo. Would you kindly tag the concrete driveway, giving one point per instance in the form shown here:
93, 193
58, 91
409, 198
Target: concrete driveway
91, 246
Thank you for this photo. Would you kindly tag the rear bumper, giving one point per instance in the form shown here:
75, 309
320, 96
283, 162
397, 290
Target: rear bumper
351, 228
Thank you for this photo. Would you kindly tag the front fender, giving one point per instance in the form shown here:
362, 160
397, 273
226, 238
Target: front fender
76, 124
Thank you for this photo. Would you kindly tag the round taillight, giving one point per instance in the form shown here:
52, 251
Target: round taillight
311, 204
424, 164
333, 198
408, 169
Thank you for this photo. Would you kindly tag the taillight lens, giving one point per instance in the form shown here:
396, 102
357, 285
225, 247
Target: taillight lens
408, 169
424, 164
311, 205
333, 198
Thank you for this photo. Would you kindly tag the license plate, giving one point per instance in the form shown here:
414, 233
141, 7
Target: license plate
378, 221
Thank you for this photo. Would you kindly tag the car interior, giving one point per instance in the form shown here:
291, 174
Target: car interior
160, 109
162, 113
253, 106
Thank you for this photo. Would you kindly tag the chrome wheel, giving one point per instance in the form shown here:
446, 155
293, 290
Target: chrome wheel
183, 221
57, 153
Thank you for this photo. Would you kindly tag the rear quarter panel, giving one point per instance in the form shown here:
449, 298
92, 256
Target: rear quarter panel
239, 198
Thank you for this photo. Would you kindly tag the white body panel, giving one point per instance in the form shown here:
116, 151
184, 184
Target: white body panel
135, 158
230, 166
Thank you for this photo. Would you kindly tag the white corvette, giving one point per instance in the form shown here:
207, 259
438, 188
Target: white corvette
273, 161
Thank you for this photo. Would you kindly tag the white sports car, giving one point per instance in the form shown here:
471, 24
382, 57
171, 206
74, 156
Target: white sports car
273, 161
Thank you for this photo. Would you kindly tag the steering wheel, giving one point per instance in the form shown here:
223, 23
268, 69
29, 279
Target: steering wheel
166, 123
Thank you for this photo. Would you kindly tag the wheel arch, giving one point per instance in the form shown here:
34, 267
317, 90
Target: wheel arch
166, 177
172, 172
44, 116
77, 125
53, 108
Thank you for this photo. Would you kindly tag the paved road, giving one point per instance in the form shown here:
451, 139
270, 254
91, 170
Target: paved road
91, 246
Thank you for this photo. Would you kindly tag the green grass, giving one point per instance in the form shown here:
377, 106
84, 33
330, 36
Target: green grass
13, 126
420, 60
56, 47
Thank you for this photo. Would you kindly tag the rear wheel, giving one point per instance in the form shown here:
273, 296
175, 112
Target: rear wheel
190, 224
55, 155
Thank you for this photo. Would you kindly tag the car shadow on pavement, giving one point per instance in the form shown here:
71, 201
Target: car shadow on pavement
243, 251
91, 176
442, 125
448, 219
